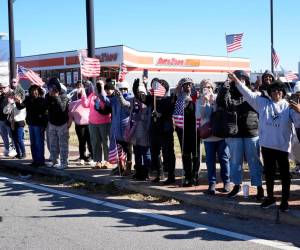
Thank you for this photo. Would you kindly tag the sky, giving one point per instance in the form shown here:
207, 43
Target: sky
170, 26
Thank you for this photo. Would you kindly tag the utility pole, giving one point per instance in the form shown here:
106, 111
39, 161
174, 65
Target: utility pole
12, 59
271, 14
90, 30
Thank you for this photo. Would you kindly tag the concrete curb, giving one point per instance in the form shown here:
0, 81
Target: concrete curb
229, 206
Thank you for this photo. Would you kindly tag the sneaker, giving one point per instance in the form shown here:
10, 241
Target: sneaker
5, 152
60, 166
12, 153
268, 202
260, 193
81, 162
236, 189
49, 164
187, 183
169, 181
284, 206
211, 189
156, 180
226, 188
92, 163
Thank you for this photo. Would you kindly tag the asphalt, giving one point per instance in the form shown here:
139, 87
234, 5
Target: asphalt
238, 206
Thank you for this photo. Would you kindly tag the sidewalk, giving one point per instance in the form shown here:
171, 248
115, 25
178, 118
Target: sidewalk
238, 206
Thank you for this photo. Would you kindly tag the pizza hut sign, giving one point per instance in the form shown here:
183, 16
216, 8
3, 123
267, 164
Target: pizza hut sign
170, 61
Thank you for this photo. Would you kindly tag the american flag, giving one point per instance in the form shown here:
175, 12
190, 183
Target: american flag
29, 74
290, 76
178, 114
157, 89
122, 72
116, 152
234, 42
90, 67
275, 58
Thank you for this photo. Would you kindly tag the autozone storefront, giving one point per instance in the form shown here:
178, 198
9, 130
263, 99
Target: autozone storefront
170, 67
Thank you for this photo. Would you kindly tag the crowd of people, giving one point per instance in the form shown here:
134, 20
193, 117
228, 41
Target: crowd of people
237, 122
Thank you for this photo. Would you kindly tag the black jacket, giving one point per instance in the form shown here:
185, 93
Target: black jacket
247, 118
164, 107
57, 109
36, 111
3, 103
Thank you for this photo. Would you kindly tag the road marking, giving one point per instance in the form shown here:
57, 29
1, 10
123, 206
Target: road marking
193, 225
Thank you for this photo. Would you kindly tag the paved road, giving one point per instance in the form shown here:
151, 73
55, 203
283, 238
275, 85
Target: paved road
41, 217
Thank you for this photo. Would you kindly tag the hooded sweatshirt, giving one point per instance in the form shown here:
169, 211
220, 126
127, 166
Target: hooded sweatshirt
275, 120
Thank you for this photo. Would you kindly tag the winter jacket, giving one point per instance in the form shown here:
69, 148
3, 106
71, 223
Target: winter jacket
57, 107
94, 116
163, 123
140, 118
36, 110
3, 103
247, 118
120, 114
15, 117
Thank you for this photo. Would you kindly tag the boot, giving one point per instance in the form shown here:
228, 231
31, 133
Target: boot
137, 172
128, 168
120, 169
143, 175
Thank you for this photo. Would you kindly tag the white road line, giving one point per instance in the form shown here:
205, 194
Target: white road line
193, 225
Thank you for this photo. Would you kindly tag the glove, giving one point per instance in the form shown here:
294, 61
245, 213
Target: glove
135, 86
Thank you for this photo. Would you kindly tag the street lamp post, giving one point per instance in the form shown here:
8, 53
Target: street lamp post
90, 29
271, 14
12, 60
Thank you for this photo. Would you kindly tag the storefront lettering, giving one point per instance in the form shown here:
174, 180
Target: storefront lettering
170, 61
106, 57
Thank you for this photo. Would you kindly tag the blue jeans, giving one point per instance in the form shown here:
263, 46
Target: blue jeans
37, 143
248, 147
18, 137
142, 156
5, 134
212, 148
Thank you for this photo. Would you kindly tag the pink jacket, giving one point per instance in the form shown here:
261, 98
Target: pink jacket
94, 116
78, 113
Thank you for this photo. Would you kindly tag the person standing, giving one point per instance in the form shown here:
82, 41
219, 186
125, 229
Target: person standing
275, 130
120, 118
244, 141
80, 116
36, 119
99, 127
58, 131
213, 145
186, 128
161, 127
16, 120
5, 130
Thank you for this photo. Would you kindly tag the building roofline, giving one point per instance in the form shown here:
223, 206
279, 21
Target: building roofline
143, 51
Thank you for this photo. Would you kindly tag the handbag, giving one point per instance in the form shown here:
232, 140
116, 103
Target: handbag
205, 130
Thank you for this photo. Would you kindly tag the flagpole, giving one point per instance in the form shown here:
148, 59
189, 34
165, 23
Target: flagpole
17, 73
228, 63
271, 22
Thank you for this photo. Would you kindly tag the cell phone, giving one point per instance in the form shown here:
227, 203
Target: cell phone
294, 97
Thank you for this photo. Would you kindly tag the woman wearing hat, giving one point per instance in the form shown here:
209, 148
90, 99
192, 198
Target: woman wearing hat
186, 128
275, 129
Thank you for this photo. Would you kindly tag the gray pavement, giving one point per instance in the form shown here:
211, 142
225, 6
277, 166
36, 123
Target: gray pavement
238, 206
47, 218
